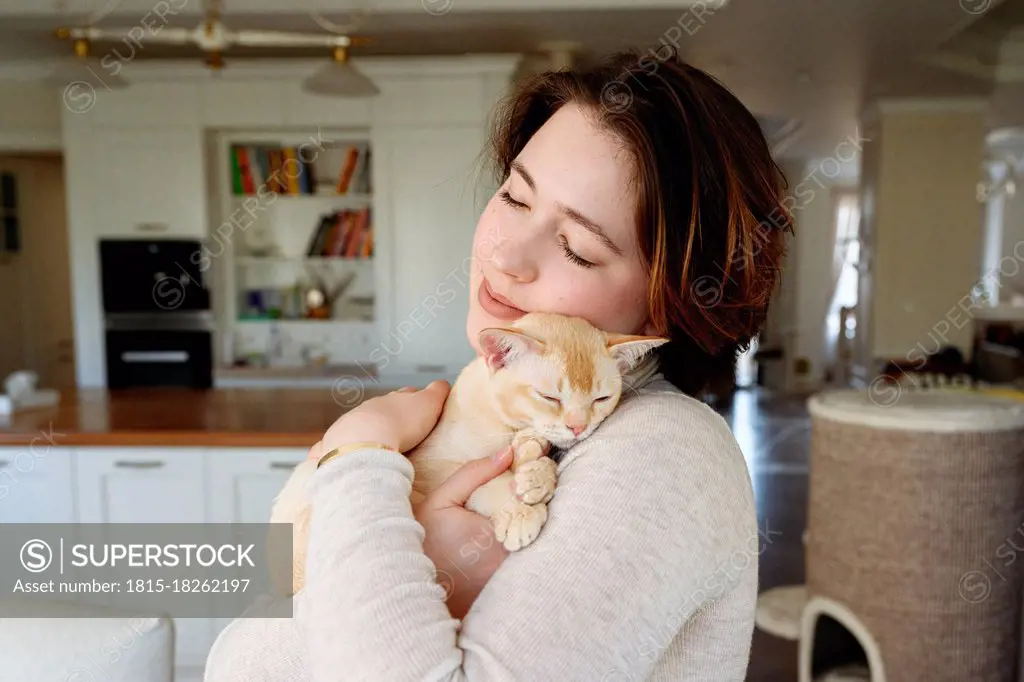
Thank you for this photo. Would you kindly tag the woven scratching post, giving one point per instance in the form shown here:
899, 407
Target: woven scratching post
910, 511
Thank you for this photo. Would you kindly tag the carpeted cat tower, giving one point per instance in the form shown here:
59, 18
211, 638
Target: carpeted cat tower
914, 499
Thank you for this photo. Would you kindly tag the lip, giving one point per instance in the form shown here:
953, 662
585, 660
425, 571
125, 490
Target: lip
496, 305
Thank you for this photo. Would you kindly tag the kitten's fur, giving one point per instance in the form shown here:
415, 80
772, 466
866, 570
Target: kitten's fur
536, 379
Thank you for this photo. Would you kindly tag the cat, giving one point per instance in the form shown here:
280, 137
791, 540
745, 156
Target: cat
544, 380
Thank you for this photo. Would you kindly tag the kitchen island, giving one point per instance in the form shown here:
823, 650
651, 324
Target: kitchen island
164, 456
249, 417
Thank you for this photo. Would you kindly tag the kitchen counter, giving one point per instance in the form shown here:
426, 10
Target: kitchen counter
277, 417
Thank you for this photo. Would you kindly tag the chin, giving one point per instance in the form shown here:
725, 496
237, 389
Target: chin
566, 442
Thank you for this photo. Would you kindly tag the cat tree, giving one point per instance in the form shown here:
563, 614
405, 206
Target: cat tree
914, 496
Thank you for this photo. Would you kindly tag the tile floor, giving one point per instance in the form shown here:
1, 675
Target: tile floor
774, 433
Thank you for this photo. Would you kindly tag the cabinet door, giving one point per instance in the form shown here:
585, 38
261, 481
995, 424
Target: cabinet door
149, 485
244, 483
36, 485
431, 176
153, 184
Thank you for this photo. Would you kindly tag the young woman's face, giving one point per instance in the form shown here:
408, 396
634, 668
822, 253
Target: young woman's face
559, 236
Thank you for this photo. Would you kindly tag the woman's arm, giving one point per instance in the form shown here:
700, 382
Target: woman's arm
647, 513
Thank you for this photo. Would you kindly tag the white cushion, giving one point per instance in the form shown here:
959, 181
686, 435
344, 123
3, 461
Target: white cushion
121, 646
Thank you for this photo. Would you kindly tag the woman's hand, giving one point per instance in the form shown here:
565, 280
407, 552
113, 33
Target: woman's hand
461, 543
401, 420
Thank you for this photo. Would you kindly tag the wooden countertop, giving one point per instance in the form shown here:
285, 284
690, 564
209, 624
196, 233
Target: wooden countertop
279, 417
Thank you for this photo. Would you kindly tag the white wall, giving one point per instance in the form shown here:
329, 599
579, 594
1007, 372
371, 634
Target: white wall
137, 156
927, 225
30, 115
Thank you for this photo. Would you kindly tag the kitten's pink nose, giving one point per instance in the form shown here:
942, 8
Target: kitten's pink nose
576, 429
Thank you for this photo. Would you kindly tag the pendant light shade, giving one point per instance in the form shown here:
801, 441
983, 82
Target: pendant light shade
339, 78
85, 69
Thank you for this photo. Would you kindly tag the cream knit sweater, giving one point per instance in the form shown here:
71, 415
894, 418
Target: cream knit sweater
645, 570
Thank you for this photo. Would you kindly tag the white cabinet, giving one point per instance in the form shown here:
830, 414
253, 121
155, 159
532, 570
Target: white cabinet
149, 485
154, 183
36, 484
432, 204
244, 482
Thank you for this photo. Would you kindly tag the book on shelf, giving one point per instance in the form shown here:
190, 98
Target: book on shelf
343, 234
286, 170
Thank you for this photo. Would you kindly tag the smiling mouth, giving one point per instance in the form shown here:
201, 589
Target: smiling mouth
497, 305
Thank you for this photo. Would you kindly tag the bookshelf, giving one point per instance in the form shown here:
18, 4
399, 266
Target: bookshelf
297, 239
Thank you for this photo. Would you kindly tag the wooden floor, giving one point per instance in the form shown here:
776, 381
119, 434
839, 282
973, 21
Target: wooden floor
774, 434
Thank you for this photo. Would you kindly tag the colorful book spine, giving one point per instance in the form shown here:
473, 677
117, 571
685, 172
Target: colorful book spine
236, 173
347, 169
290, 165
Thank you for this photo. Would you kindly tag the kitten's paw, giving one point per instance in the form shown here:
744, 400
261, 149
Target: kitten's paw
517, 524
535, 481
528, 448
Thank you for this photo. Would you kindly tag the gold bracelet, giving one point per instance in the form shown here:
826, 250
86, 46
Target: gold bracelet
350, 447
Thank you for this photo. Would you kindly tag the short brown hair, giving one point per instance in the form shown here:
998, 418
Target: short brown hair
710, 218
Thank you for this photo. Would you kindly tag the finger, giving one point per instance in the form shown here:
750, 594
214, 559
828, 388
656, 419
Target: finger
421, 410
470, 476
406, 389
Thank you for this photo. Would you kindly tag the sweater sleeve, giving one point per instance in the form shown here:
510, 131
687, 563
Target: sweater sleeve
646, 514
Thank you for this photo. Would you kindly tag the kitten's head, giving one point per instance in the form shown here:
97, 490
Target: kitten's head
559, 375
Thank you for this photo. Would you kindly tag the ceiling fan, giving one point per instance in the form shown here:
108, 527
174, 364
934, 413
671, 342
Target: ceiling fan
337, 78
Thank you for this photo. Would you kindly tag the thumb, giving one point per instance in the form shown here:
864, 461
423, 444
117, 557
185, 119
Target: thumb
459, 486
421, 410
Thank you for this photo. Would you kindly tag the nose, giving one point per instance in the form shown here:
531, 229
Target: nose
512, 254
576, 429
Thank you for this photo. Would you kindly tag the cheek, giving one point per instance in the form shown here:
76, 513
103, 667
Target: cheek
612, 303
491, 232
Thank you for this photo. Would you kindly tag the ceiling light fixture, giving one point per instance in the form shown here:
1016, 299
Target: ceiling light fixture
338, 78
83, 68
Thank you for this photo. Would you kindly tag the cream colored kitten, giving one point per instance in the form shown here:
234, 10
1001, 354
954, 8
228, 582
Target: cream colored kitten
544, 379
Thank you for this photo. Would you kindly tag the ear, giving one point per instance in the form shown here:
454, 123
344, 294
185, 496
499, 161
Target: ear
501, 346
628, 350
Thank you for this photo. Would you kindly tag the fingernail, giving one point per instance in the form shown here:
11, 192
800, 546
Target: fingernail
406, 389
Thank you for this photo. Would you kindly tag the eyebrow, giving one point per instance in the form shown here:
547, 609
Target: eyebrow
571, 213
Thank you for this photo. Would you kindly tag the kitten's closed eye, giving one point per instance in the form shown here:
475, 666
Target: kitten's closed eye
602, 399
550, 398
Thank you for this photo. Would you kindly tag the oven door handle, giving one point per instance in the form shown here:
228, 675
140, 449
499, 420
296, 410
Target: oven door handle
164, 356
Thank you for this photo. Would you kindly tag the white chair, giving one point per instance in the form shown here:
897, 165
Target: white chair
68, 643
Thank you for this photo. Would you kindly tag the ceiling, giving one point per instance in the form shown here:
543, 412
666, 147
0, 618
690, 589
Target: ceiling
811, 61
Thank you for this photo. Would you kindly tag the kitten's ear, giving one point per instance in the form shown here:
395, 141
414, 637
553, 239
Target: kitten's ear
628, 349
501, 346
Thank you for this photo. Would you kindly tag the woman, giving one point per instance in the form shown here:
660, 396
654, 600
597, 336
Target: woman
643, 197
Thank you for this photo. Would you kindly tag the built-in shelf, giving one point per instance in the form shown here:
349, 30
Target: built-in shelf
302, 322
249, 261
323, 195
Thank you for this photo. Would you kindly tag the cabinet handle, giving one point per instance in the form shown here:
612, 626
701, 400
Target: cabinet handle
147, 464
151, 227
282, 465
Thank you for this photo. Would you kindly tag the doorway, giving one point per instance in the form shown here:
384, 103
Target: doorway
35, 291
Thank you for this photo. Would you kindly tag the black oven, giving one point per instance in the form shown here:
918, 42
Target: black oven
159, 357
152, 276
159, 327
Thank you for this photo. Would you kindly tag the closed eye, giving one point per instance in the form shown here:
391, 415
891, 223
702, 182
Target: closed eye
550, 398
507, 198
602, 399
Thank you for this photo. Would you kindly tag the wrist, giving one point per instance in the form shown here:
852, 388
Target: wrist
330, 453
